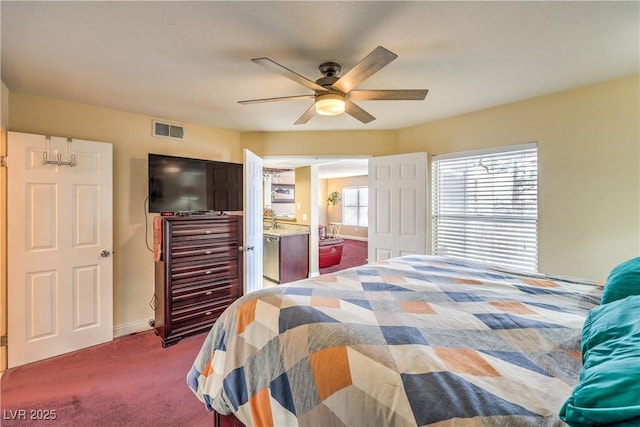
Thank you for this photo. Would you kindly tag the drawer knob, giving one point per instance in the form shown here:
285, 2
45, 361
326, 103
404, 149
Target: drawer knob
207, 272
209, 293
208, 252
208, 232
208, 313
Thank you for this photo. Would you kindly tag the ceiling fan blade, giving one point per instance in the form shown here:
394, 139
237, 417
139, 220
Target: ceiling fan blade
370, 64
389, 95
281, 98
357, 112
307, 115
292, 75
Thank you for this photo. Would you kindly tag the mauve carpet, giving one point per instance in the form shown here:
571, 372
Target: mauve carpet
354, 253
131, 381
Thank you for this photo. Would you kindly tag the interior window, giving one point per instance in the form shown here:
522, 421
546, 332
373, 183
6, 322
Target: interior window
355, 209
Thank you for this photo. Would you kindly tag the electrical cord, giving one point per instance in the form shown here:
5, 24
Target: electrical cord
146, 224
154, 299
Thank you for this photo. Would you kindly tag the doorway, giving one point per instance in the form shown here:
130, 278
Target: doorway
331, 172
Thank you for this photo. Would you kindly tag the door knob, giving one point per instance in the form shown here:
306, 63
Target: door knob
105, 254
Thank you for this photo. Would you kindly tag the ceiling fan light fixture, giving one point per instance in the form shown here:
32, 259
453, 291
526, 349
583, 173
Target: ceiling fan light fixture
330, 104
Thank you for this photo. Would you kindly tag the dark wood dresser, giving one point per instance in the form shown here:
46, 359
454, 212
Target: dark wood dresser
199, 273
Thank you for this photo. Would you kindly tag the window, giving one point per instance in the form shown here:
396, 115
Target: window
355, 206
485, 206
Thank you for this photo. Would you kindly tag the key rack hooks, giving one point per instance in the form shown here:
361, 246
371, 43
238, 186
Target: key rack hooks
72, 157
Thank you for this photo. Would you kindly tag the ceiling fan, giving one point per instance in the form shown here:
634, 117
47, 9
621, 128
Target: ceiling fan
335, 95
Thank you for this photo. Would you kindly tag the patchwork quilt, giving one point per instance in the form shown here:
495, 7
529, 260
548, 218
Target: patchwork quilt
412, 341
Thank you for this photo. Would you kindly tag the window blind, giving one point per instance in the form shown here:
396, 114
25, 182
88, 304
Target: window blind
485, 206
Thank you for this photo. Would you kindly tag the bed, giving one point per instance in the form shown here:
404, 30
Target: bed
411, 341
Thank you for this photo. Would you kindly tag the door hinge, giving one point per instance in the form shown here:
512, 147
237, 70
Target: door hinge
3, 341
3, 161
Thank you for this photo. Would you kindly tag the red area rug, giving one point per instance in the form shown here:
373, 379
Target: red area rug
131, 381
354, 253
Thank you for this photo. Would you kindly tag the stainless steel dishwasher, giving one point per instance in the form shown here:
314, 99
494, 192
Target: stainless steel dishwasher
271, 251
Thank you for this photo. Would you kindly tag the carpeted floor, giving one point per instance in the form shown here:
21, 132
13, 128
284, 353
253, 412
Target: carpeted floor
354, 253
132, 381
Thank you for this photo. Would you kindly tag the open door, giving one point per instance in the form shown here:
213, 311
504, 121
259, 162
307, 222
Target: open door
60, 238
252, 224
3, 254
397, 205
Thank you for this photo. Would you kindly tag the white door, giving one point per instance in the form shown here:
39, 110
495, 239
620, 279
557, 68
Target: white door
60, 268
3, 240
252, 224
397, 205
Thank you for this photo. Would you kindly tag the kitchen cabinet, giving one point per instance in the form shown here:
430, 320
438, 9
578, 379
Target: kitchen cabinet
286, 256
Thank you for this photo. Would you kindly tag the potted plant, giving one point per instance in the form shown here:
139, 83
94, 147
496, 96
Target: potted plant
334, 198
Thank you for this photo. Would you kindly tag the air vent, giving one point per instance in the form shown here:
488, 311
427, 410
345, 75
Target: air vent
168, 130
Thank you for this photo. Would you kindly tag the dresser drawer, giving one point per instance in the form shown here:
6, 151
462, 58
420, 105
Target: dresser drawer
188, 316
199, 224
205, 270
208, 291
204, 230
195, 251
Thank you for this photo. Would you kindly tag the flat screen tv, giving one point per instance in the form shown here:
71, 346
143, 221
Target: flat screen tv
181, 184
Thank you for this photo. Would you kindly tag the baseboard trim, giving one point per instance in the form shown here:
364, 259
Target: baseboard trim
131, 328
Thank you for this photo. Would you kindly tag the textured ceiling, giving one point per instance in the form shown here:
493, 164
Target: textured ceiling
191, 61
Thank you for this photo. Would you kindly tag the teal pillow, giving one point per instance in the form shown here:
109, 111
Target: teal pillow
623, 281
608, 391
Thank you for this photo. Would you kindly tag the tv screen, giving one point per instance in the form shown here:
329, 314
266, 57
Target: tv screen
180, 184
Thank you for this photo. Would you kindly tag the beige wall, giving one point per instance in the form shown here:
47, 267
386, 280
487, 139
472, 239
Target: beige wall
307, 190
303, 195
334, 213
329, 143
131, 137
589, 168
323, 194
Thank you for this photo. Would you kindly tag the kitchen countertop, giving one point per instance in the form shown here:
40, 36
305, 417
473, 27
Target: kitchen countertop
278, 232
280, 218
